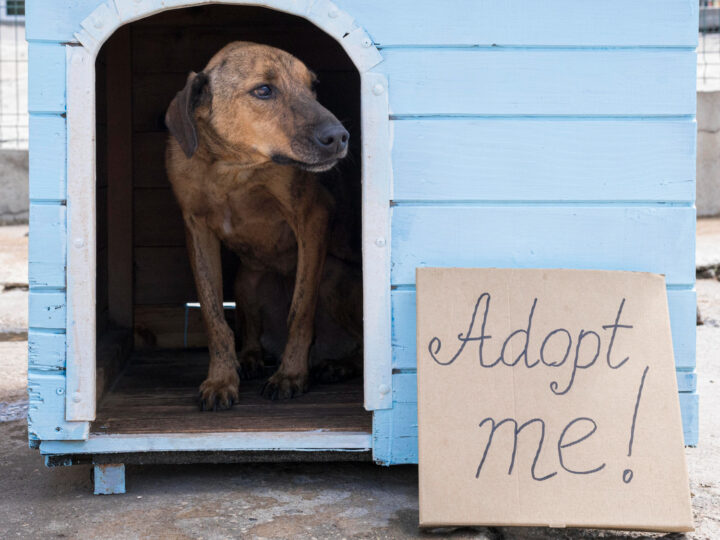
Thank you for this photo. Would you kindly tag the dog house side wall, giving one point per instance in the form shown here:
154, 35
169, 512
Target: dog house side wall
555, 135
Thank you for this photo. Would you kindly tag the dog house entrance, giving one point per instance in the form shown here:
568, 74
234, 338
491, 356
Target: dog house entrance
152, 351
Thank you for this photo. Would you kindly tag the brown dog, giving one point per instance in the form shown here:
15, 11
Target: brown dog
247, 136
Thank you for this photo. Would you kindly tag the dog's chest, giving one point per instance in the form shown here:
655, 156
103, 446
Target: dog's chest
251, 224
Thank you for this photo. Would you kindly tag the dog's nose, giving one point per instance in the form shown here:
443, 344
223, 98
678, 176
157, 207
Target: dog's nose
332, 138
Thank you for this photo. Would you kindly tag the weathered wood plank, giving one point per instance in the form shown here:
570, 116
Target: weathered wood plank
47, 160
525, 22
46, 414
395, 434
46, 310
46, 351
681, 305
540, 82
390, 448
395, 430
163, 327
405, 385
157, 393
689, 409
149, 160
81, 226
460, 22
48, 20
47, 245
46, 77
163, 276
641, 238
197, 442
547, 160
157, 220
118, 82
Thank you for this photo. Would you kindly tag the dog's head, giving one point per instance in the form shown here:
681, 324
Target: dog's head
254, 104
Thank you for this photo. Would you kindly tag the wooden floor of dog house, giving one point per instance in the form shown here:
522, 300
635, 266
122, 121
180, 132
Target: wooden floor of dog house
157, 393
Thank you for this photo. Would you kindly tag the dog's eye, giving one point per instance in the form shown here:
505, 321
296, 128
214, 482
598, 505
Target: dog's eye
263, 92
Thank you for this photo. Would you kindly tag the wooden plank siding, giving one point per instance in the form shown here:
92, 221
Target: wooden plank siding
552, 134
671, 23
587, 82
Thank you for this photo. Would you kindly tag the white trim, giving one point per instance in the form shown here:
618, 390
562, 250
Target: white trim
376, 181
302, 441
376, 196
81, 264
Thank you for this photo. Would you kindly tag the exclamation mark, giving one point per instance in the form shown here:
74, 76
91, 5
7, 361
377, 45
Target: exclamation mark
627, 473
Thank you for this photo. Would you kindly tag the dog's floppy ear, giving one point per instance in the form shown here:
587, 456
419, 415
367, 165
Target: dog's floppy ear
180, 119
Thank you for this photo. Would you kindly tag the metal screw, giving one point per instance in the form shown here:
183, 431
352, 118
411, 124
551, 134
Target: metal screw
378, 89
77, 398
383, 389
97, 22
366, 42
333, 13
78, 242
380, 242
59, 391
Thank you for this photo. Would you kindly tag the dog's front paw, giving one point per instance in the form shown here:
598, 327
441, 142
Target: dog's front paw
284, 386
219, 394
251, 364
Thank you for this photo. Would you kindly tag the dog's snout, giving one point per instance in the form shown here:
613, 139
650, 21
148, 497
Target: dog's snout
332, 138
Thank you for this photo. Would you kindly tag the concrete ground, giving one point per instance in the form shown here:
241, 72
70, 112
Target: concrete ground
352, 500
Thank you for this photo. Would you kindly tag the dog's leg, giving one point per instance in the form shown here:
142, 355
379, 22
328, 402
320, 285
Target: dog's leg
248, 322
337, 352
291, 378
220, 389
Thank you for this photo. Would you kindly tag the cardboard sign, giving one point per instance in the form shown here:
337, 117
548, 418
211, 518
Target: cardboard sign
548, 397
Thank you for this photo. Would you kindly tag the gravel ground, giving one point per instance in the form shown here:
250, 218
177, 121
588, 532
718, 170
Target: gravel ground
352, 500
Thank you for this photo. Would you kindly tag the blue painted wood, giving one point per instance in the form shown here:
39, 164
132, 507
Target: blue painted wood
405, 385
47, 309
46, 351
50, 20
46, 77
681, 305
47, 233
300, 441
527, 22
47, 161
540, 82
466, 22
687, 381
395, 430
45, 274
650, 239
46, 414
683, 321
47, 245
545, 160
395, 434
109, 479
689, 408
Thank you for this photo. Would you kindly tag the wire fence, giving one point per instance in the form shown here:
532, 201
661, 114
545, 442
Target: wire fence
708, 59
13, 76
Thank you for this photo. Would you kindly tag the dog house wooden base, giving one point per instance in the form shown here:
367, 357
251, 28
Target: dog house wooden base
493, 134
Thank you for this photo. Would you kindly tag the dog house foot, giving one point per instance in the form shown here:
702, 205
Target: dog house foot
109, 479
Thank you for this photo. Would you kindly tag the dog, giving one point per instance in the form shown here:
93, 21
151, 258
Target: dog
247, 142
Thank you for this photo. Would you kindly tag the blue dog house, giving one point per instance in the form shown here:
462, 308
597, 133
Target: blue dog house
497, 133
